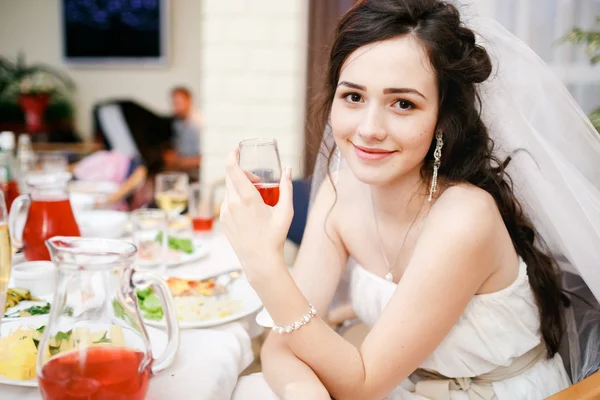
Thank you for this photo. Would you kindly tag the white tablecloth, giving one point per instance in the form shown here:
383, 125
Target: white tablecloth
209, 360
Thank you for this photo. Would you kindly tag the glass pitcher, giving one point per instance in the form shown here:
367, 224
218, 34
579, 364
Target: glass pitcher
47, 213
95, 346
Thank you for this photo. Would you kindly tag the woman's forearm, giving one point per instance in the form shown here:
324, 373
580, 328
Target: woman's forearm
131, 184
288, 376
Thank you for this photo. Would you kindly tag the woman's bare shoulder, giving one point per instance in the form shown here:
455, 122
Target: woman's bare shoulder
466, 208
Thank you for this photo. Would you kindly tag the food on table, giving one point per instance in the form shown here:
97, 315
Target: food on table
19, 349
185, 245
16, 295
29, 312
149, 304
203, 308
193, 287
18, 354
194, 300
176, 245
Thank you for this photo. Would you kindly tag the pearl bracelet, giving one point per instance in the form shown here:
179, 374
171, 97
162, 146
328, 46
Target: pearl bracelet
298, 324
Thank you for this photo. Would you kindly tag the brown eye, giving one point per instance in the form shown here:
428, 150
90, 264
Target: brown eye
404, 105
354, 97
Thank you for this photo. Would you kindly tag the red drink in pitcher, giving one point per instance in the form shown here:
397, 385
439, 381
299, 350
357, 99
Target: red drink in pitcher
46, 219
103, 372
269, 193
47, 213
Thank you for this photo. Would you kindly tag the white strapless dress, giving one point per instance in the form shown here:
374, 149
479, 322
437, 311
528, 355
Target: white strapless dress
494, 329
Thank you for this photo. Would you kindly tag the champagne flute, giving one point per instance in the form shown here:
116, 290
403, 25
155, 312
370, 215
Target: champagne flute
5, 255
259, 158
171, 192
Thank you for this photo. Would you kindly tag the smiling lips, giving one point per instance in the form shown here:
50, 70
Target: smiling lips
371, 154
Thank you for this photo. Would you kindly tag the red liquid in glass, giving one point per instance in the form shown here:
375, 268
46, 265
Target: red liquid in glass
46, 219
106, 373
269, 193
202, 224
11, 192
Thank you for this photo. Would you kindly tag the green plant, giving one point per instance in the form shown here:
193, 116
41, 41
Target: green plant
591, 42
17, 77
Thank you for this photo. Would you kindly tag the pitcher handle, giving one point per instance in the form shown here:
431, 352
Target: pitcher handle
19, 207
164, 294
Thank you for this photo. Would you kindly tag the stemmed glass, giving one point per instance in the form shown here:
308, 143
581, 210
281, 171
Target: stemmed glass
5, 255
259, 158
171, 192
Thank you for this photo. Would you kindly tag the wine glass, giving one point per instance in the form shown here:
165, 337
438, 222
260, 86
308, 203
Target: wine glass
5, 255
259, 158
171, 192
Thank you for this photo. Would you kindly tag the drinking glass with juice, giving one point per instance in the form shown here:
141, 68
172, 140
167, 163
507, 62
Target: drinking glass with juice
201, 208
259, 158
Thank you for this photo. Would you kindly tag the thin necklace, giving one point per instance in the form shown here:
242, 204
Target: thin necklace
390, 275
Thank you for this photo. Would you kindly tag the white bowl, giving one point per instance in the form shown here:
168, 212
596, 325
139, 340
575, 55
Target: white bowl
102, 223
39, 277
82, 201
83, 194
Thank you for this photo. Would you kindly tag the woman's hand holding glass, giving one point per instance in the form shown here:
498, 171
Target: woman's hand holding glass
255, 230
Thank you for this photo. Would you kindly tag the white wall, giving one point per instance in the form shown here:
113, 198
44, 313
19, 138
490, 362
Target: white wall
253, 77
33, 27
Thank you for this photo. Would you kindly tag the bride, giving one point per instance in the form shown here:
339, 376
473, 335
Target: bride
454, 263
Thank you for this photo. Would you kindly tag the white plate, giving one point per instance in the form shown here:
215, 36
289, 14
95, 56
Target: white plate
263, 318
238, 290
201, 250
158, 340
26, 304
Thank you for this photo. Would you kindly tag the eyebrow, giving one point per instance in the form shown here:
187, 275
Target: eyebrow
385, 91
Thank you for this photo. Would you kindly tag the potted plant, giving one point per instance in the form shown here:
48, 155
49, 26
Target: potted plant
32, 87
591, 42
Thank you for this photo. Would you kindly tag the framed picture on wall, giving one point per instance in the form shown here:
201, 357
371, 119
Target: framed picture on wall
115, 31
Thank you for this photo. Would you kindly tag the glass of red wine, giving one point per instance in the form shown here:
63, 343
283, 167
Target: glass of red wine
259, 158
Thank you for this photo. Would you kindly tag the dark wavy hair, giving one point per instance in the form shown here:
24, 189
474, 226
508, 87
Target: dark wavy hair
459, 64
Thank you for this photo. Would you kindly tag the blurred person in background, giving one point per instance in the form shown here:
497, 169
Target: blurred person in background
184, 153
128, 172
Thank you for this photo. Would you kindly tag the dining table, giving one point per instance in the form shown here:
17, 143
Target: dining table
209, 360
